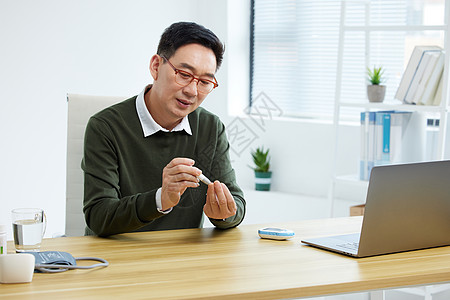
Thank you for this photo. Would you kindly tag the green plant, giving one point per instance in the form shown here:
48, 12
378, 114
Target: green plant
376, 75
261, 160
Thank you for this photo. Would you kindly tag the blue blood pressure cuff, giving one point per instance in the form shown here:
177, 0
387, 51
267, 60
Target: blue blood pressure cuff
58, 261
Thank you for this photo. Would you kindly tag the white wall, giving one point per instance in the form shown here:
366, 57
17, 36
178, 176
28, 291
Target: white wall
102, 47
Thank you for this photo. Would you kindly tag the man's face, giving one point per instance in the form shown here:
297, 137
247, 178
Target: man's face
170, 101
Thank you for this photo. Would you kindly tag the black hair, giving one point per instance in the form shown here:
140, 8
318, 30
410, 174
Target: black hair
184, 33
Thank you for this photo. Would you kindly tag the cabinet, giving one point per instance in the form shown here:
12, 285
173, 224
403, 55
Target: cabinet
441, 112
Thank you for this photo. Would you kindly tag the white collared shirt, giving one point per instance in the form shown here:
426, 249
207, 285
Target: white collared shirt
149, 127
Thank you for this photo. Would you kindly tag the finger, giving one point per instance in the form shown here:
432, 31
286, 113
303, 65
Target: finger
221, 198
181, 161
185, 179
177, 171
212, 208
175, 168
207, 208
183, 169
177, 176
221, 209
230, 200
211, 195
215, 211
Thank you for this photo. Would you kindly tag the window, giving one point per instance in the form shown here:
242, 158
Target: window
295, 44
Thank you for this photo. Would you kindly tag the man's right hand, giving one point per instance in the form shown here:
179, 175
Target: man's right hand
177, 176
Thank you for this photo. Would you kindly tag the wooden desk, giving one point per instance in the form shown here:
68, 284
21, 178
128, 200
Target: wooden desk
232, 264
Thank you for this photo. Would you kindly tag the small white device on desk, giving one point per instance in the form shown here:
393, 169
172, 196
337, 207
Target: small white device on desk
275, 233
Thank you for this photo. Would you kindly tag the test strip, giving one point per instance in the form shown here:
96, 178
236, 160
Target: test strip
204, 179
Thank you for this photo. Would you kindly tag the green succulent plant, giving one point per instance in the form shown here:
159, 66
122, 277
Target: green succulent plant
376, 75
261, 160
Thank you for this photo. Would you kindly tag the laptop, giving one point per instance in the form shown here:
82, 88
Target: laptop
407, 208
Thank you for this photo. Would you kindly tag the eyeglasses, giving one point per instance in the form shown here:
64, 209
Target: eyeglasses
183, 78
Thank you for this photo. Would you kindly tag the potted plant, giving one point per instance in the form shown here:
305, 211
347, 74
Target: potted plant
375, 90
263, 174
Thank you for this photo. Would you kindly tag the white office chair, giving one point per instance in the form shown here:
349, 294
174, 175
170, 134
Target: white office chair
80, 109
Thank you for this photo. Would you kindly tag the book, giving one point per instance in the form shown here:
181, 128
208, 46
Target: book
433, 82
411, 69
363, 146
389, 136
382, 137
418, 75
438, 95
398, 121
367, 148
433, 58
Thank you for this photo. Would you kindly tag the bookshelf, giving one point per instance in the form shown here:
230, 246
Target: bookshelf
440, 111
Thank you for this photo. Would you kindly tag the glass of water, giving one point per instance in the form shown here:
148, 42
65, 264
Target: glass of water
29, 226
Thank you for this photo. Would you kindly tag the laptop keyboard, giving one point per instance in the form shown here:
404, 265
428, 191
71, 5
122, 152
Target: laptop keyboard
351, 246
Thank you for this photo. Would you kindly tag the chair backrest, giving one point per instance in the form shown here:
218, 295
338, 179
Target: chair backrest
80, 109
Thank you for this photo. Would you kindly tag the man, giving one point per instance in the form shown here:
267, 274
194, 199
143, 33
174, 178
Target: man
143, 156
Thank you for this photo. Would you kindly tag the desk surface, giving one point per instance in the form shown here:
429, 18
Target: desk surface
230, 264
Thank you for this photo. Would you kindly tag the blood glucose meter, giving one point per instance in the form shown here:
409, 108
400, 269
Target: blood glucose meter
275, 233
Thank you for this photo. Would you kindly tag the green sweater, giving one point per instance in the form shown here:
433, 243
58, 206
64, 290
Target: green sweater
123, 171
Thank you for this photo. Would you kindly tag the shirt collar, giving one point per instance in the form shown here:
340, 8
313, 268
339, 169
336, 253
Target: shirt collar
149, 125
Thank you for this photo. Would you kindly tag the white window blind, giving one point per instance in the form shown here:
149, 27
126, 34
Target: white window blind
295, 46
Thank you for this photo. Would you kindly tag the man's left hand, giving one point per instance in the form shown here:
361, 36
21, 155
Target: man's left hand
220, 203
